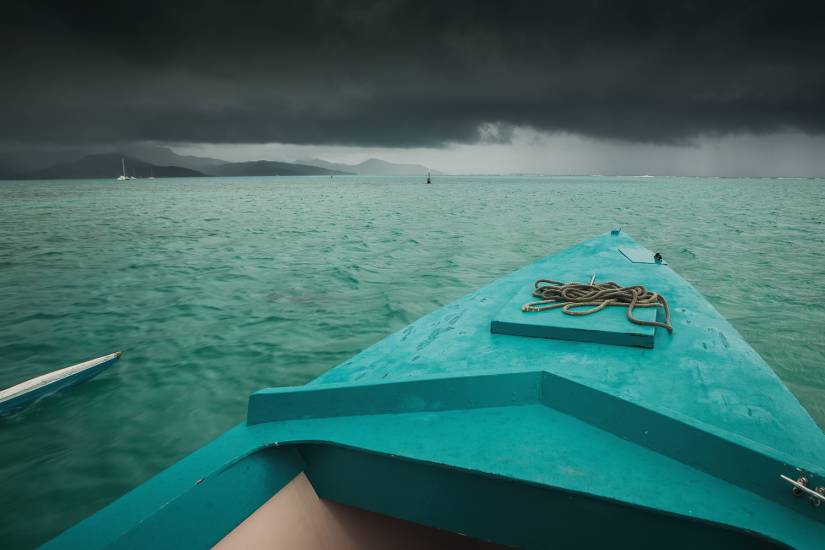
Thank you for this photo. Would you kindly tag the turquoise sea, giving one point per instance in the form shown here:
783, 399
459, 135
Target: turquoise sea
216, 287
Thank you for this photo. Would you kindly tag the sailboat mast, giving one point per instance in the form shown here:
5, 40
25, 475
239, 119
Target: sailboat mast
123, 165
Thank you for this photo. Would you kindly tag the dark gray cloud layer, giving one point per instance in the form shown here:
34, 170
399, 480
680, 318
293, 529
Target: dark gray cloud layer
407, 73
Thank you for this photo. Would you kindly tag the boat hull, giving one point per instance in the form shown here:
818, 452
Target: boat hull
516, 440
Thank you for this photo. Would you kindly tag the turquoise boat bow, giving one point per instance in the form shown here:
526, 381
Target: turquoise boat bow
545, 431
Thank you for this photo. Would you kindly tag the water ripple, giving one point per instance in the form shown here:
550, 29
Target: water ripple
216, 288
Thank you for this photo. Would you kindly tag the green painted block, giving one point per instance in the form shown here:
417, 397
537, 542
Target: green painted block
608, 326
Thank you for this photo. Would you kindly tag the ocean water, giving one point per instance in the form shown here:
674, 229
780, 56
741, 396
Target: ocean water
214, 288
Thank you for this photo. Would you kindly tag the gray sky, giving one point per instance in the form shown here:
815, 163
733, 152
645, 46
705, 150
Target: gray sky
480, 86
774, 154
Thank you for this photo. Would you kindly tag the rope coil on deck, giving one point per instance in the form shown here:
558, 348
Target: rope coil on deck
567, 296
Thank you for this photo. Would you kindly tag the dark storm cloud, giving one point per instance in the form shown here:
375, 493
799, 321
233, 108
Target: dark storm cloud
407, 73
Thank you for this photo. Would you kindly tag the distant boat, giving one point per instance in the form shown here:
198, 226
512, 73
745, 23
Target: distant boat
123, 176
151, 174
21, 395
429, 179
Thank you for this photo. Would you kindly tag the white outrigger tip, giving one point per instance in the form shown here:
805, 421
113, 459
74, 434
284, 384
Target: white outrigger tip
21, 395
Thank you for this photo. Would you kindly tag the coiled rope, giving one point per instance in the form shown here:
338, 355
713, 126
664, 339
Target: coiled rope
567, 296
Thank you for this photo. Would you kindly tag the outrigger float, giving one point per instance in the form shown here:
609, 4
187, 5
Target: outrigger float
24, 394
550, 430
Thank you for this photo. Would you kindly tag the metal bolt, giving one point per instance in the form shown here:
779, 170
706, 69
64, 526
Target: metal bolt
818, 501
797, 492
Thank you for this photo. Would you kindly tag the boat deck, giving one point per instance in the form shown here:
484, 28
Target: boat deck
704, 370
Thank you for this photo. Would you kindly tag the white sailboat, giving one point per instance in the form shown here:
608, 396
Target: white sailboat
123, 176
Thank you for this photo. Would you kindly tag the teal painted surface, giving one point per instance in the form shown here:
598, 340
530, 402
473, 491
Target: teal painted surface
195, 503
704, 370
531, 443
217, 288
499, 510
616, 429
609, 326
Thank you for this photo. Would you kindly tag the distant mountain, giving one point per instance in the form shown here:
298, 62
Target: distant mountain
8, 173
271, 168
374, 167
145, 159
107, 165
16, 163
23, 161
163, 156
